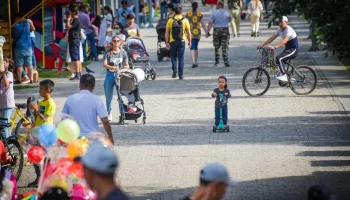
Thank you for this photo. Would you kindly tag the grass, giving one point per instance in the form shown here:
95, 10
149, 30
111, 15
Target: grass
47, 73
20, 87
346, 63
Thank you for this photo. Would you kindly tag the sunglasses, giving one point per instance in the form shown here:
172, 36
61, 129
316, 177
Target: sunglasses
116, 40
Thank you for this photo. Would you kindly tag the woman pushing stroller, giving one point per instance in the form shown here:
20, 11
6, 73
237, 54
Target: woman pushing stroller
114, 59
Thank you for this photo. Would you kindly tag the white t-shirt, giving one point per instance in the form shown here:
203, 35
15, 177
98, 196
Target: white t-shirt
32, 33
287, 31
85, 107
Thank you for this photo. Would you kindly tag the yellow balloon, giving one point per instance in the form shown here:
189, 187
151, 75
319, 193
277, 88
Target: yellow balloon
59, 181
76, 148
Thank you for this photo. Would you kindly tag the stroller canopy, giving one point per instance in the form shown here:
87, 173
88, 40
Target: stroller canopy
135, 42
127, 80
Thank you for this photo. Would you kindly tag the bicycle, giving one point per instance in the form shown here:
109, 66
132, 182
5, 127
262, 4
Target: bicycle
15, 160
298, 77
23, 122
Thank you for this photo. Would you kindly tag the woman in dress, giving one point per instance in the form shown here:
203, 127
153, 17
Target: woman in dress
255, 9
106, 23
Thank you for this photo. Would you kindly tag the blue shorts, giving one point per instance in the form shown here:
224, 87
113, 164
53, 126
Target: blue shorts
74, 51
194, 45
23, 57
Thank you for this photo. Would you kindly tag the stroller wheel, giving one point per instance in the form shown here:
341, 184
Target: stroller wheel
214, 128
227, 129
153, 74
144, 120
135, 120
147, 73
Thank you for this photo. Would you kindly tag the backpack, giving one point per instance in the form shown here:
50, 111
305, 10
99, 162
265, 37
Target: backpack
177, 30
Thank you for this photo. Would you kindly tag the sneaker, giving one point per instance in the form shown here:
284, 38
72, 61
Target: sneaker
34, 183
234, 36
31, 82
174, 74
181, 78
194, 66
227, 64
283, 78
238, 35
216, 64
74, 78
73, 75
252, 34
110, 117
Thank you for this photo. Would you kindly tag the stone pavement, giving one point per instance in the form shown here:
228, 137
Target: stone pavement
279, 145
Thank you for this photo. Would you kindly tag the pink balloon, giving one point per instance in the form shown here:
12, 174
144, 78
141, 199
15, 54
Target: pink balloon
78, 192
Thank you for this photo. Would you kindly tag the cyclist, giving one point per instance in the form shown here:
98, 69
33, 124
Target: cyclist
290, 40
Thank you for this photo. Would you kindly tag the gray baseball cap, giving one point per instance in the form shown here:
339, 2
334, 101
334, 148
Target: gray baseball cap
100, 158
121, 36
216, 172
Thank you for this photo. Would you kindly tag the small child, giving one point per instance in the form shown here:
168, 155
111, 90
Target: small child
222, 81
44, 112
109, 37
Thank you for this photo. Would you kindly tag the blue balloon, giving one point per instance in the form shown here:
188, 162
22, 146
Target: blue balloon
47, 135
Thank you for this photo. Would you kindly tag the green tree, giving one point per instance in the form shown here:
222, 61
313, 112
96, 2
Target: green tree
332, 19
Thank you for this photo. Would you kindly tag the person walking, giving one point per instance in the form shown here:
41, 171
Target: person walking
235, 7
86, 24
114, 60
106, 23
100, 164
163, 9
196, 20
267, 5
212, 4
23, 52
219, 19
131, 29
177, 29
74, 42
213, 182
86, 112
255, 9
123, 12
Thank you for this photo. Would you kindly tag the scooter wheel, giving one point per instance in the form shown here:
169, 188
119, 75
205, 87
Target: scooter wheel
227, 129
214, 129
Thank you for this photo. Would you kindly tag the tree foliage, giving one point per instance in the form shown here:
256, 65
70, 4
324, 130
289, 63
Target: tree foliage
330, 16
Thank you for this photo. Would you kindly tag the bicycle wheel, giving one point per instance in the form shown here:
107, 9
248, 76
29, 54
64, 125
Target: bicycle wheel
305, 80
15, 165
20, 128
256, 82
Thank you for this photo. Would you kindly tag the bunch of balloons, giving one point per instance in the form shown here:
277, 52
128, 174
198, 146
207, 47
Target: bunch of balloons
58, 153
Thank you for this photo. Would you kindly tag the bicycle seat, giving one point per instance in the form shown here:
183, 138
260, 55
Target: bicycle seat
21, 105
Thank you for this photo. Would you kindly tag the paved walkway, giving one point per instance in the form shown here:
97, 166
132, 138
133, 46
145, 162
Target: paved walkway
279, 145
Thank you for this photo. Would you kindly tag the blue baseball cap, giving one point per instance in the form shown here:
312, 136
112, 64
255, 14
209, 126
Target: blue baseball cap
100, 158
216, 172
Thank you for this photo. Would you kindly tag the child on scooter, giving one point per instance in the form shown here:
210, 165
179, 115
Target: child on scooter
221, 103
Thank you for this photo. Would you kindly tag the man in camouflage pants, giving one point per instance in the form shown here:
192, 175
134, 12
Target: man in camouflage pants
219, 20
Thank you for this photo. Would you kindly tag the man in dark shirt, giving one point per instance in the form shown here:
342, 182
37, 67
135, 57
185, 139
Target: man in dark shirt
214, 180
100, 163
74, 39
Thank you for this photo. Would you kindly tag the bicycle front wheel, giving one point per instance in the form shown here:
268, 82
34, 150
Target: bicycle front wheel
256, 82
304, 80
15, 165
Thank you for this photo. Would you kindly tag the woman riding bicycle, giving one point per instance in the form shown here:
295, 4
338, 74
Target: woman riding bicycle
290, 40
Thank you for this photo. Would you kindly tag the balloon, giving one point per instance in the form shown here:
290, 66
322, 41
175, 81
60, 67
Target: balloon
77, 169
68, 130
140, 74
78, 192
100, 137
36, 154
47, 135
76, 148
49, 170
60, 182
63, 165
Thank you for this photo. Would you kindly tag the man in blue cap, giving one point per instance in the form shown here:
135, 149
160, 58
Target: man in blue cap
214, 179
100, 165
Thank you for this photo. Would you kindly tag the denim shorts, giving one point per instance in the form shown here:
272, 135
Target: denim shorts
74, 51
194, 45
23, 57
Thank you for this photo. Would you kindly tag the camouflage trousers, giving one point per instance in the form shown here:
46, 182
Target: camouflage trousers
221, 38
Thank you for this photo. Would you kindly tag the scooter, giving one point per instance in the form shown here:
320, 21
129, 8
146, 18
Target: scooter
221, 127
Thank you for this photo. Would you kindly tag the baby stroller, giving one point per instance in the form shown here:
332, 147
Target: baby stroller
137, 53
129, 97
161, 51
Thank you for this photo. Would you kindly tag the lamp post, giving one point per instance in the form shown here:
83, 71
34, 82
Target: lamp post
150, 12
137, 11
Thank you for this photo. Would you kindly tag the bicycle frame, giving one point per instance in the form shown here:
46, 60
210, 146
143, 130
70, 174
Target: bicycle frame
16, 114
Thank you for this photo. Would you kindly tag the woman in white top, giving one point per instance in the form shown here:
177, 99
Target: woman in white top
106, 23
255, 9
